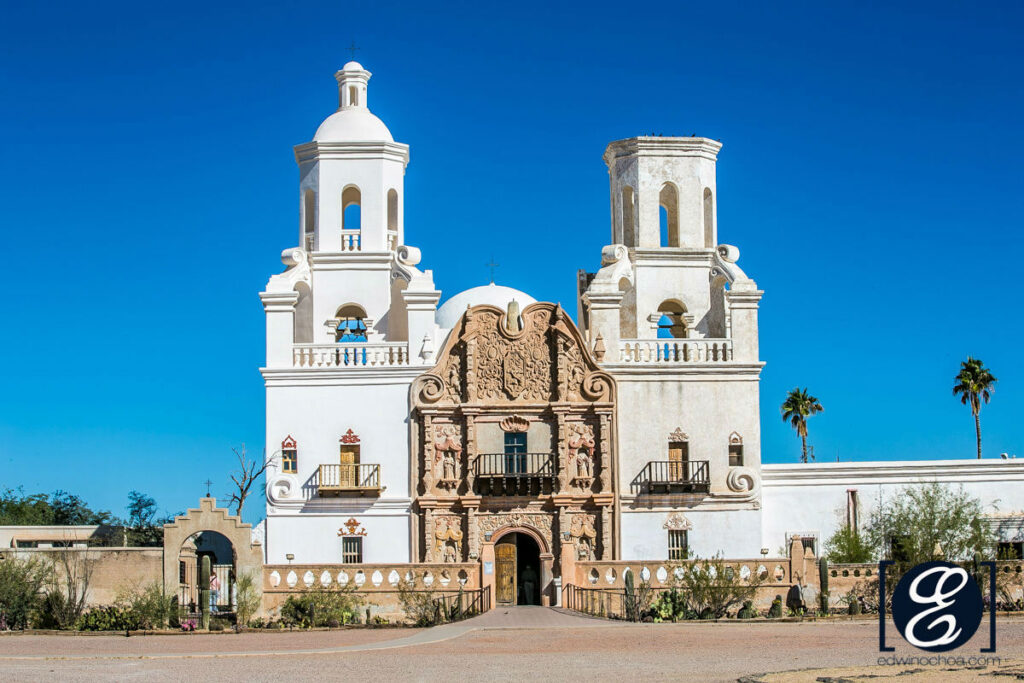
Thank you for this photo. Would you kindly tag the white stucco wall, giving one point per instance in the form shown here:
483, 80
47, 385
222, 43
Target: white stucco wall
313, 537
733, 533
811, 498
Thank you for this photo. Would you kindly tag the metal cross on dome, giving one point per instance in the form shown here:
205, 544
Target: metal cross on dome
208, 484
492, 265
352, 49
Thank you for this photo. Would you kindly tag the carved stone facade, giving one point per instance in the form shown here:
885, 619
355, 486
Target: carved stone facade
532, 383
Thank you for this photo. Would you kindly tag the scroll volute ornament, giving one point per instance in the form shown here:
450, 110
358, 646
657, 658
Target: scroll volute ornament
515, 423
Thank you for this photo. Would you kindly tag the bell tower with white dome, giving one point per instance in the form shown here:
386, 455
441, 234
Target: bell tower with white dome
351, 176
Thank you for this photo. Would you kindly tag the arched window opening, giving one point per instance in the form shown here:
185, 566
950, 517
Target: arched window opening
392, 219
351, 324
735, 450
672, 323
351, 199
628, 217
302, 319
668, 201
308, 219
709, 219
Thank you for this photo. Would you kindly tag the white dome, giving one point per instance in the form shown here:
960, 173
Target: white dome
353, 124
353, 66
495, 295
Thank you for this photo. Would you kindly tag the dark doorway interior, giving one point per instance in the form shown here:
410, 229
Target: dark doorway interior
527, 570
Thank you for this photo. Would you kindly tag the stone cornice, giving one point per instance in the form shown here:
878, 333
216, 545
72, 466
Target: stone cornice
323, 507
315, 151
663, 146
895, 472
283, 377
671, 257
278, 301
363, 260
662, 372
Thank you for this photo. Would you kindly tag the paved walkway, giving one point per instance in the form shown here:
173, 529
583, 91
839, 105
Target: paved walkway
18, 647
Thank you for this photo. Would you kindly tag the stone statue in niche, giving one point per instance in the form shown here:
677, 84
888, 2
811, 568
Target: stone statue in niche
448, 445
583, 531
581, 452
448, 467
584, 465
448, 539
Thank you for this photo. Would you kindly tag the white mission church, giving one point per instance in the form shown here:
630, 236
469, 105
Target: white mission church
497, 426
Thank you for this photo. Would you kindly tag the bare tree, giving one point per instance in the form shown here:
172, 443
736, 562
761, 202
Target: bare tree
69, 588
248, 473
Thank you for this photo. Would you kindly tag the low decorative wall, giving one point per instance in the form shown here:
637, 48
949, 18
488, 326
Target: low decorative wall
376, 584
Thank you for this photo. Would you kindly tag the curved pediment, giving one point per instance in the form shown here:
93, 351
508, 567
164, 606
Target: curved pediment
539, 358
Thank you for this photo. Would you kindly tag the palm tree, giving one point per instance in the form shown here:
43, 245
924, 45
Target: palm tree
798, 406
974, 384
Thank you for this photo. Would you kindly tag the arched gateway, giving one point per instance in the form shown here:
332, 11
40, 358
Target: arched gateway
513, 450
181, 552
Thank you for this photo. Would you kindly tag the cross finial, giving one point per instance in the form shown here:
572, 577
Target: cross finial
492, 265
208, 484
352, 49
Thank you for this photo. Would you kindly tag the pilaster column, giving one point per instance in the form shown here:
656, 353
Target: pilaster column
606, 453
606, 533
280, 309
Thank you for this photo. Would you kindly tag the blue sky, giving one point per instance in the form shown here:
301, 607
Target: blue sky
870, 176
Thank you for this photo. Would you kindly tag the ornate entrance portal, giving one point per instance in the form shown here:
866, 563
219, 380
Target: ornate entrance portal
517, 570
513, 448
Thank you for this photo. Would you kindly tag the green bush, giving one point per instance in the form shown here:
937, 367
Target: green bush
219, 624
247, 597
21, 585
670, 606
107, 618
319, 606
148, 606
418, 605
712, 587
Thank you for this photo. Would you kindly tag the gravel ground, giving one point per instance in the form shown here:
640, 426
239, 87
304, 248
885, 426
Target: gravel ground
539, 645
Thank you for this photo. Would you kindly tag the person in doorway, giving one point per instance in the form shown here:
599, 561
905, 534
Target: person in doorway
214, 591
529, 585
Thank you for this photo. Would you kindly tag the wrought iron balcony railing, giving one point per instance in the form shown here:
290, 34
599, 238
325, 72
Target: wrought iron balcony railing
673, 476
515, 473
338, 479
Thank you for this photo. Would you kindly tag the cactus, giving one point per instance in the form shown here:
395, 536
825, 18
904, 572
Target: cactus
823, 585
204, 591
629, 599
775, 611
747, 611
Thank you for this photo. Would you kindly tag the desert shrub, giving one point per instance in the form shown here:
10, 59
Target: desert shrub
148, 606
219, 624
636, 601
848, 546
711, 587
418, 606
21, 585
247, 597
107, 618
320, 605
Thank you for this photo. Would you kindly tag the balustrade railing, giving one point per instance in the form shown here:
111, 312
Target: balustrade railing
514, 473
362, 478
671, 476
355, 354
675, 351
351, 240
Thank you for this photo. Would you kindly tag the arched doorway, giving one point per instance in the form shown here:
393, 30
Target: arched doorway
518, 573
223, 558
